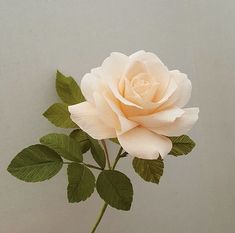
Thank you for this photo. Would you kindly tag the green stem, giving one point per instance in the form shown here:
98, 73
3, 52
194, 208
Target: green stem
119, 155
100, 217
106, 153
117, 158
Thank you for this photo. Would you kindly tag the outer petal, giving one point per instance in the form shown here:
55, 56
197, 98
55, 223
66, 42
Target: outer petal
86, 117
145, 56
114, 65
89, 84
183, 91
181, 125
159, 119
105, 112
142, 143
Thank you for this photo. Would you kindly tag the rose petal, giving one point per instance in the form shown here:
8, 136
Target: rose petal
115, 65
130, 94
161, 75
182, 93
142, 143
125, 124
147, 106
105, 112
169, 91
145, 56
130, 111
181, 125
112, 70
159, 118
113, 85
88, 85
134, 68
86, 117
150, 93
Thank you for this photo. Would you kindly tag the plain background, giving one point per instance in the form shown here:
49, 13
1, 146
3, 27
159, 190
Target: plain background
197, 192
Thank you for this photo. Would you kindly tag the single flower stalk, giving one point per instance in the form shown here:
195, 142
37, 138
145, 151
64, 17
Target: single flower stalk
134, 101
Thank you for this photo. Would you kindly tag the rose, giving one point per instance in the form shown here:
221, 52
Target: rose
138, 100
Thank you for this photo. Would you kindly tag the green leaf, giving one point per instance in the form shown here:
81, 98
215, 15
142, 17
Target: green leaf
64, 145
59, 115
149, 170
68, 90
81, 182
82, 138
115, 188
35, 163
97, 152
115, 140
182, 145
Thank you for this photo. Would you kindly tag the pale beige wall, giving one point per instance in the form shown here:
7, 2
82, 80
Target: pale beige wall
196, 194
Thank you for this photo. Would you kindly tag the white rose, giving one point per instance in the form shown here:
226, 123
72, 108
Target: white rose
138, 100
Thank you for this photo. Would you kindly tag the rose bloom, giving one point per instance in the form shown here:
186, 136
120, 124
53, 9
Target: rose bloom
138, 100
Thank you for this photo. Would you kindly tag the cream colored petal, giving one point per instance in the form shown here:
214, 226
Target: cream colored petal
88, 85
114, 87
121, 86
181, 125
158, 71
184, 89
143, 101
125, 124
161, 75
112, 75
145, 56
92, 82
114, 66
134, 68
105, 112
87, 118
160, 118
169, 91
182, 94
145, 104
151, 91
142, 143
131, 95
142, 82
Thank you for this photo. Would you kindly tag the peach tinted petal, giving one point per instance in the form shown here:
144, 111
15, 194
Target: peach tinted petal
88, 85
105, 112
142, 143
159, 118
145, 56
125, 124
134, 68
183, 91
113, 85
87, 118
114, 66
181, 125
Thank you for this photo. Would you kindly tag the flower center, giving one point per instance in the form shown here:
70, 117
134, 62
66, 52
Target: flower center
141, 83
